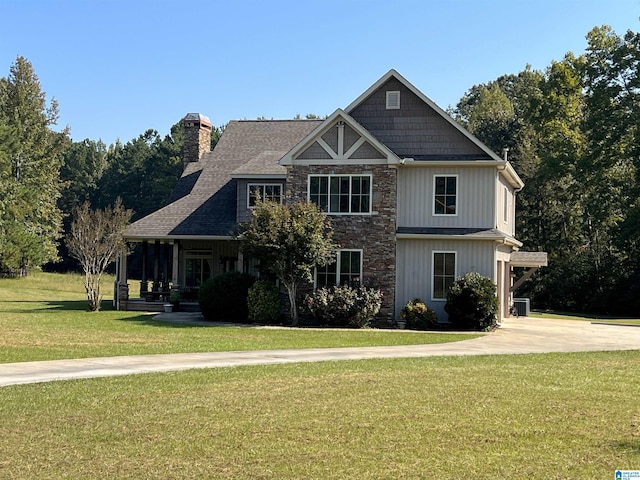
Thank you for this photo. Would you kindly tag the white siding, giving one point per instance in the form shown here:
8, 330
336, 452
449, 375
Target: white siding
509, 226
414, 270
476, 201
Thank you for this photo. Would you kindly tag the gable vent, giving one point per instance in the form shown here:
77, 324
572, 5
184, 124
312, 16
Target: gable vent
393, 100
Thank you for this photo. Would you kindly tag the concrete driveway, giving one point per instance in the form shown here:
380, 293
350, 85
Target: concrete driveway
515, 336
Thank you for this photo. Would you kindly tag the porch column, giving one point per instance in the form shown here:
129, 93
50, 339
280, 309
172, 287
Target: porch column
156, 265
122, 285
176, 259
144, 284
165, 263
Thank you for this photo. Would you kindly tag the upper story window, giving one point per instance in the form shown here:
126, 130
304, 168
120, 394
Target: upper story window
341, 193
393, 100
445, 200
264, 191
506, 205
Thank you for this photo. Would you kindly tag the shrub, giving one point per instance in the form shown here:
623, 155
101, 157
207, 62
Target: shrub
224, 297
264, 302
344, 306
418, 316
472, 303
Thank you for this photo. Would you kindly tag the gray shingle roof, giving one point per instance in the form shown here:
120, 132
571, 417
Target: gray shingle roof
204, 200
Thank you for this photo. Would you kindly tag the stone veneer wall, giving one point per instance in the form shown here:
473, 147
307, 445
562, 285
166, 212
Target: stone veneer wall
197, 141
375, 234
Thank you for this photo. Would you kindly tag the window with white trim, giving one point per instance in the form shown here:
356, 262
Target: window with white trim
445, 198
393, 100
506, 205
347, 269
341, 193
444, 274
271, 192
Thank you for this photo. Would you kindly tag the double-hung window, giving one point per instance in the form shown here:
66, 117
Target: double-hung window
445, 200
444, 273
347, 269
271, 192
341, 193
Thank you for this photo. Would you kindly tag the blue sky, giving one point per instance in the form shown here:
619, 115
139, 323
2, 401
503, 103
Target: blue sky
120, 67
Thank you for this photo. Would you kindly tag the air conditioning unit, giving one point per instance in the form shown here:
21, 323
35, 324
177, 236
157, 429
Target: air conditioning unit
522, 306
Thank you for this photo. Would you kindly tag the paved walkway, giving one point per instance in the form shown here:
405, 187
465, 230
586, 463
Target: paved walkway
521, 335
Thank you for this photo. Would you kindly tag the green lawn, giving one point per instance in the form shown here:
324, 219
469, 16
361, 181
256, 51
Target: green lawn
553, 416
45, 317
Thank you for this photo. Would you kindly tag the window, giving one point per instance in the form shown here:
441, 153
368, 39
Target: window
198, 268
393, 100
444, 273
345, 270
266, 192
341, 193
445, 194
506, 205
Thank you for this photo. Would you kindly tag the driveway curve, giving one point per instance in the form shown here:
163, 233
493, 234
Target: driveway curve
515, 336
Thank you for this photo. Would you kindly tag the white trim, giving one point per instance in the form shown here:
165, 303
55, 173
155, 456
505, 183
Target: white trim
258, 184
392, 100
330, 122
433, 196
505, 207
506, 240
325, 146
259, 176
167, 238
350, 175
433, 265
337, 262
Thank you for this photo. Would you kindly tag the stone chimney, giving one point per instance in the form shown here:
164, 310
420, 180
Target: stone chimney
197, 137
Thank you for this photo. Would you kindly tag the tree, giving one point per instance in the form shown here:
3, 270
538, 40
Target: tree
31, 221
289, 240
95, 240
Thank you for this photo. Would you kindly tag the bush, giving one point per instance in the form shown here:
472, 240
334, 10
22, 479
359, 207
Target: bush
264, 302
418, 316
344, 306
472, 303
224, 297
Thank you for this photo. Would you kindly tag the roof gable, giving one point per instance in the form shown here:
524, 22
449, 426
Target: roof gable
419, 129
339, 139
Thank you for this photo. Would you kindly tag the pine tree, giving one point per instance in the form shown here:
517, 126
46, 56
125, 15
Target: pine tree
30, 221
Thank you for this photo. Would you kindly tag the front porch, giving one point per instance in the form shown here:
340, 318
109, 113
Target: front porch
173, 270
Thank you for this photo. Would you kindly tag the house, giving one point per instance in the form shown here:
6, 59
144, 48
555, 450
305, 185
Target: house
415, 200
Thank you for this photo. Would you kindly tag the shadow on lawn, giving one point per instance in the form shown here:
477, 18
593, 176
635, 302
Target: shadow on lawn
81, 306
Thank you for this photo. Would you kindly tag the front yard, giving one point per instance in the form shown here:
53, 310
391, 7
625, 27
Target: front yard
553, 416
45, 317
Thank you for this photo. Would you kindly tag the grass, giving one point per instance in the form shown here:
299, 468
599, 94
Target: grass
553, 416
45, 317
586, 317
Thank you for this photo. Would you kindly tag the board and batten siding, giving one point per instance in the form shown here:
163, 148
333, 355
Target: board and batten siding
414, 267
476, 197
502, 186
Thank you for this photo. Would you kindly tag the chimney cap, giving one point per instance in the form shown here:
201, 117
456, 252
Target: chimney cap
197, 117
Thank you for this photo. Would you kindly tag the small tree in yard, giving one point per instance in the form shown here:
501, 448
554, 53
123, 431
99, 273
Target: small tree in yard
289, 240
95, 240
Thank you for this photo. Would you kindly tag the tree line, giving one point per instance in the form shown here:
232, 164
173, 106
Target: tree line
572, 134
571, 131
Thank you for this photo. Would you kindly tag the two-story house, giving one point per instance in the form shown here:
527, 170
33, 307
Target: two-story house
415, 200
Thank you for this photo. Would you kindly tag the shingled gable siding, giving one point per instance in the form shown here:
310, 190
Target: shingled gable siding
374, 234
413, 130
